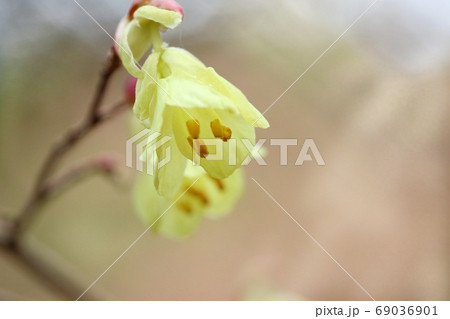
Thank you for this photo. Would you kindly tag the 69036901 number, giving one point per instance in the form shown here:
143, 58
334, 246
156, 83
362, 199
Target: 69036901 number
406, 310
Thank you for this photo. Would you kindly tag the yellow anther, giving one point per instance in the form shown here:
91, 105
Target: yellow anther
226, 133
185, 207
218, 182
220, 131
198, 194
193, 128
216, 128
203, 149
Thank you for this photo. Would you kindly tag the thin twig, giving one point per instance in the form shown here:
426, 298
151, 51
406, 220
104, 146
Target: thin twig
112, 65
68, 142
48, 276
100, 164
10, 230
90, 121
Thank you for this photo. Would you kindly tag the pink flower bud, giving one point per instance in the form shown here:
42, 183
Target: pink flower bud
130, 90
106, 163
136, 4
162, 4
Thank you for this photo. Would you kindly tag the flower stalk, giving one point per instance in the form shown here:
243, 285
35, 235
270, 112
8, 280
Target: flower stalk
201, 113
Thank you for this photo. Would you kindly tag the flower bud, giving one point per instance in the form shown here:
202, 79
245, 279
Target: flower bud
130, 90
106, 162
162, 4
140, 30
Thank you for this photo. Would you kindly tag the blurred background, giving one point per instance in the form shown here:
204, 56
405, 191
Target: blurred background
376, 105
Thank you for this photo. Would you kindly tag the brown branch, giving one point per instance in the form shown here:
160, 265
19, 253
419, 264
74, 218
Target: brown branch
11, 230
100, 164
30, 264
90, 121
112, 65
47, 276
68, 142
72, 137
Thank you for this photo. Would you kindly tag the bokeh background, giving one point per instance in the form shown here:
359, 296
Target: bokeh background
377, 106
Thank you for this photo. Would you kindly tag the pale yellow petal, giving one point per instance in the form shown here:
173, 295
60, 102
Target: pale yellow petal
181, 220
232, 149
151, 95
248, 111
133, 44
148, 204
168, 18
180, 62
187, 93
174, 218
169, 176
224, 193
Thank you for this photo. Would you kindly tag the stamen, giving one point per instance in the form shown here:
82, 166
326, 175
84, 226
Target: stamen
203, 149
220, 131
219, 182
216, 128
226, 133
196, 193
193, 128
185, 207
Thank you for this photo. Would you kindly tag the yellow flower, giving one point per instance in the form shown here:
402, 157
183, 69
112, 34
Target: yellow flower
195, 106
179, 216
135, 37
209, 119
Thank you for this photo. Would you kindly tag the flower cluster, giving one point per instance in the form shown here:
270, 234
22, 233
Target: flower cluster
208, 197
178, 96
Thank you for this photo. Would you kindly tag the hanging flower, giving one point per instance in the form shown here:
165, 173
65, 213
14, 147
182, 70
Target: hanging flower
140, 29
178, 96
199, 196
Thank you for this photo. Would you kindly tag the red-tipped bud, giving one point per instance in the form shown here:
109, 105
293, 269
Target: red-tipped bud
130, 90
106, 163
162, 4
